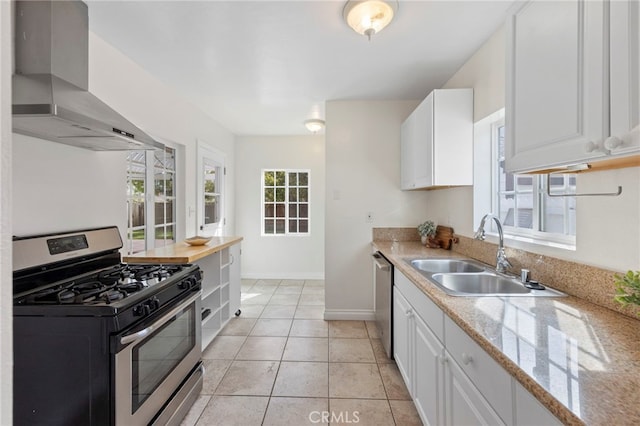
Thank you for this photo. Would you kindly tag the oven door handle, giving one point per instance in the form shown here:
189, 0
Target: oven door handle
140, 335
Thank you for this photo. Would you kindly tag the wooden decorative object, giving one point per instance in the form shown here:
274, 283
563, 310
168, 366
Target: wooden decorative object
444, 237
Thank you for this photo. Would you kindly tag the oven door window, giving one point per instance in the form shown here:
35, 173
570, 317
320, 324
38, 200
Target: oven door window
155, 357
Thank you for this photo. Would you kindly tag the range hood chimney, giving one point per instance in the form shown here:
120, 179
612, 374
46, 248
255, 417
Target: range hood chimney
50, 85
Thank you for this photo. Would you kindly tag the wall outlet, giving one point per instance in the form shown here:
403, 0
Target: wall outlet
369, 218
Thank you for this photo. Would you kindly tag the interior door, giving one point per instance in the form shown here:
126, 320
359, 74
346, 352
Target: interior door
210, 216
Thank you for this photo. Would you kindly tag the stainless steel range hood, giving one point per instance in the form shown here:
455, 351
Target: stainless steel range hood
50, 85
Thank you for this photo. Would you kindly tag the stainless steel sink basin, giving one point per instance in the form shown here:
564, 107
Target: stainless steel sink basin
445, 265
480, 284
461, 277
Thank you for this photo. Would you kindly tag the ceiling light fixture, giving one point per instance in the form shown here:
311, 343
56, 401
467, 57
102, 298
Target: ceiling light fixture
369, 17
314, 125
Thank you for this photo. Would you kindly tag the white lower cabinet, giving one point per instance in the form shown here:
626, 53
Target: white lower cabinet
529, 412
491, 380
428, 389
465, 404
220, 290
402, 339
234, 279
478, 388
451, 379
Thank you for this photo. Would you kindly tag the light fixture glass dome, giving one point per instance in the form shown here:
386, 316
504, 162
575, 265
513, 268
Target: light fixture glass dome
369, 17
314, 125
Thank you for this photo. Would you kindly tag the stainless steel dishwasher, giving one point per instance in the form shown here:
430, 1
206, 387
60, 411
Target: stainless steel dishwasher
384, 302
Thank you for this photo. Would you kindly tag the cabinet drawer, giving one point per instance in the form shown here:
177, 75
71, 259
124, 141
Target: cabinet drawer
485, 373
430, 313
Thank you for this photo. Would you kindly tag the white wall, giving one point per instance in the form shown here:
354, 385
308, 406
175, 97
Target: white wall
485, 72
608, 228
159, 110
292, 257
61, 188
363, 175
6, 288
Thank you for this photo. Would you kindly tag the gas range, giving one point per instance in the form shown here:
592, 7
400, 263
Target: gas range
77, 305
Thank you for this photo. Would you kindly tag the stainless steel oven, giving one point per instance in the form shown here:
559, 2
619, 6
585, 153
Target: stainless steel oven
98, 342
153, 359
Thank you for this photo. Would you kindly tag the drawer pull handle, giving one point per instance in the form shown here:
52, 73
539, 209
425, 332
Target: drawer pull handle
466, 359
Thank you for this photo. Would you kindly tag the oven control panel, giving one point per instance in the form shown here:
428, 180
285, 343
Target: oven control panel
67, 244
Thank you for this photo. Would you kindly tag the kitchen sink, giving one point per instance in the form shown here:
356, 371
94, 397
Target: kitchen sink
445, 265
484, 283
461, 277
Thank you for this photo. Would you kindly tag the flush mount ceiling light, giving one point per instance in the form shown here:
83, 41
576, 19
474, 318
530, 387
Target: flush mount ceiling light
314, 125
369, 17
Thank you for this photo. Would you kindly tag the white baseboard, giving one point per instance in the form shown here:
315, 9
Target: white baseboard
350, 314
283, 276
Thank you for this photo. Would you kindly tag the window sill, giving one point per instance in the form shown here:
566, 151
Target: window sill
535, 242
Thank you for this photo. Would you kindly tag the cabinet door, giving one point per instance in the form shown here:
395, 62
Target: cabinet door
402, 337
625, 79
407, 143
452, 137
423, 151
529, 412
557, 86
489, 377
428, 374
465, 405
234, 278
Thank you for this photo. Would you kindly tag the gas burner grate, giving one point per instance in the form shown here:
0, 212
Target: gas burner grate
147, 272
104, 286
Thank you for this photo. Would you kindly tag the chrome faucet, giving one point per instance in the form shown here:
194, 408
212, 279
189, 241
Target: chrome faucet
502, 263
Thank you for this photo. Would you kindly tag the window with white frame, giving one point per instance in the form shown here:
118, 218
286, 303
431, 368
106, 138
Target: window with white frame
520, 201
285, 202
212, 173
210, 186
151, 176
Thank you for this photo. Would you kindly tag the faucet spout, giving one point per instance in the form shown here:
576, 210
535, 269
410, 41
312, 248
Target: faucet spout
502, 263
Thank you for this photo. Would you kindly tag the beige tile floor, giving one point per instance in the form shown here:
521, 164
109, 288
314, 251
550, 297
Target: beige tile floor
280, 363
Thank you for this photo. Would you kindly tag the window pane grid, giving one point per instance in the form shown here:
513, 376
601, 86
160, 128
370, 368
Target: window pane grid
285, 200
150, 177
523, 205
212, 195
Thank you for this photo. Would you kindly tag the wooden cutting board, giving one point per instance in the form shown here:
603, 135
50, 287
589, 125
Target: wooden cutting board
444, 237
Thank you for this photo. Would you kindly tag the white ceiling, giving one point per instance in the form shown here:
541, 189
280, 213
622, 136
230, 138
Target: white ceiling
263, 67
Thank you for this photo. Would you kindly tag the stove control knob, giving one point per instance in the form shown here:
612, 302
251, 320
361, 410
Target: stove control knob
187, 283
152, 304
141, 310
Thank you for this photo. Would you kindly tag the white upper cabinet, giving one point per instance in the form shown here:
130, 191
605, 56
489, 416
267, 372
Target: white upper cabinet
561, 58
624, 54
407, 140
437, 141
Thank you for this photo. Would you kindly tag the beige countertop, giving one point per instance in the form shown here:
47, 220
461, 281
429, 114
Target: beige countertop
580, 360
182, 252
